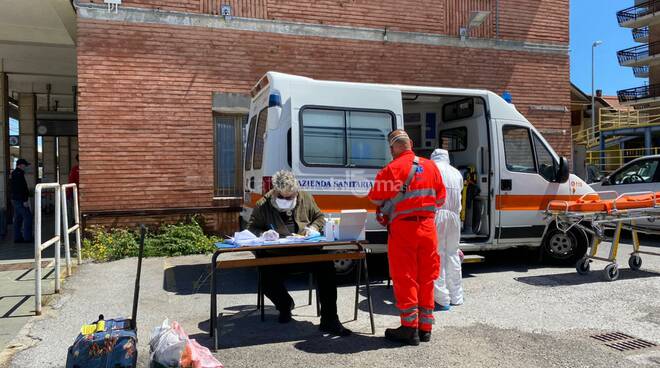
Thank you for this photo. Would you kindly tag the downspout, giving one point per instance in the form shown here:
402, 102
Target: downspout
497, 18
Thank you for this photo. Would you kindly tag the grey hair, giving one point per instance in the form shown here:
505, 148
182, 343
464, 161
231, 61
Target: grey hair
285, 182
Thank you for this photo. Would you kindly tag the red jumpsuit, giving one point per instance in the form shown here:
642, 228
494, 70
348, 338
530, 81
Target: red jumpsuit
412, 243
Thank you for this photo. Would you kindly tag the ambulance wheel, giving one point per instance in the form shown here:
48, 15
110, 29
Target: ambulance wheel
344, 267
611, 272
635, 262
564, 248
583, 266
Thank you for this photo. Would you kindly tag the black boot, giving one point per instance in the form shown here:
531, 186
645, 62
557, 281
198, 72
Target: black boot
285, 313
424, 336
403, 334
335, 328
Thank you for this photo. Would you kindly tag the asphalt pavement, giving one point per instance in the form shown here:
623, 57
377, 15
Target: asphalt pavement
517, 313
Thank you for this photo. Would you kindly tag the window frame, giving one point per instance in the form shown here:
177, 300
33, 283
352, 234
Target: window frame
239, 121
531, 145
455, 128
345, 110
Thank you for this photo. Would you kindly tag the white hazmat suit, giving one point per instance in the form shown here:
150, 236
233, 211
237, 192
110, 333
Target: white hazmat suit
448, 287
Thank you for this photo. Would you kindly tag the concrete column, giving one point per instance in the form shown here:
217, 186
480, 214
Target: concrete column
64, 158
4, 142
27, 103
49, 160
648, 140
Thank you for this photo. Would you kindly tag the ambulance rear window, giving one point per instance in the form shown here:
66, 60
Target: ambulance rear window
259, 139
250, 143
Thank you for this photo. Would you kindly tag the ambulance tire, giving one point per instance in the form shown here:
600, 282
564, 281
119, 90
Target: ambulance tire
564, 248
345, 269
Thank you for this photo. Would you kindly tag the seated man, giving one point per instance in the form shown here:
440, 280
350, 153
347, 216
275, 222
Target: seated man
288, 211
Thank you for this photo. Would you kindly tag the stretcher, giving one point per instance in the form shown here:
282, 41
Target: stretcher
596, 212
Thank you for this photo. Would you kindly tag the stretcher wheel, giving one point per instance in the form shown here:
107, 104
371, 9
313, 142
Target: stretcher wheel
582, 266
611, 272
635, 262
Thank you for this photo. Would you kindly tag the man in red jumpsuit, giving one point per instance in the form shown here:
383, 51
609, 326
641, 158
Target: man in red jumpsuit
413, 243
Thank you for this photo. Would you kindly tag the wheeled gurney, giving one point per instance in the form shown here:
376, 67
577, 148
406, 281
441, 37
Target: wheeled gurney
596, 212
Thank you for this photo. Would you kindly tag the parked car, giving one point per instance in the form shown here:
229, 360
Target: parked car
639, 175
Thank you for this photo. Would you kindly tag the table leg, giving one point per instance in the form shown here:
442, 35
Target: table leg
357, 289
214, 303
259, 291
367, 283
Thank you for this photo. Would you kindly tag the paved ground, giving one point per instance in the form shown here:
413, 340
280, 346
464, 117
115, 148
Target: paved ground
17, 281
517, 314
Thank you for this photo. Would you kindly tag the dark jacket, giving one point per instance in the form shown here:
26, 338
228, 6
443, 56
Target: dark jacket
266, 217
18, 186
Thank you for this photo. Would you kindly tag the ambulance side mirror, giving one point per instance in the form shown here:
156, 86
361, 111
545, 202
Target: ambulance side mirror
562, 171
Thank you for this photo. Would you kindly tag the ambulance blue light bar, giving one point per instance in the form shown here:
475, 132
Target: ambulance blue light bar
275, 99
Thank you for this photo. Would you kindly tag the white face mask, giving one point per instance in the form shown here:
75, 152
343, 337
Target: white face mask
285, 204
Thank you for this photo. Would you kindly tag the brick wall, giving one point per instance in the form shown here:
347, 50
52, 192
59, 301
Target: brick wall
524, 20
145, 120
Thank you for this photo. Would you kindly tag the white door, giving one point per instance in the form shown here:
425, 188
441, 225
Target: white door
527, 171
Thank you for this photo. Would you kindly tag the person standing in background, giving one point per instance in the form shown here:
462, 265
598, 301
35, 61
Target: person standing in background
448, 287
74, 174
20, 194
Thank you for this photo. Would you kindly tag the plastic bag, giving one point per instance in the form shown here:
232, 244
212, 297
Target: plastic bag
270, 235
171, 347
197, 356
166, 345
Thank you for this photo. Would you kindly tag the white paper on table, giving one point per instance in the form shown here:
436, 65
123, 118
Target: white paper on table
245, 238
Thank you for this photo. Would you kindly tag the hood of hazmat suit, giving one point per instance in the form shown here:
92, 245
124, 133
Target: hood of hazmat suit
452, 179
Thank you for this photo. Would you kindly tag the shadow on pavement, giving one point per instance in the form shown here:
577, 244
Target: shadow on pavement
382, 299
245, 329
573, 278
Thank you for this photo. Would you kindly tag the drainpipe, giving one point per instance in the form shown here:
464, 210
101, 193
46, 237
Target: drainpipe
497, 18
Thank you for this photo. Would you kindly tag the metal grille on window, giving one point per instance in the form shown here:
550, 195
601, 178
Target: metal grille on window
228, 155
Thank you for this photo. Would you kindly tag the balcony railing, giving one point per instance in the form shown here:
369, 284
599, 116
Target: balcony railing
637, 11
638, 52
639, 93
640, 34
641, 71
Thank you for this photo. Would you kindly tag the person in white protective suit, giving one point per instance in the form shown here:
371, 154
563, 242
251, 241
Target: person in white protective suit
448, 286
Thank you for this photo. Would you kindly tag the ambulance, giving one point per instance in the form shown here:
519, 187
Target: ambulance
332, 135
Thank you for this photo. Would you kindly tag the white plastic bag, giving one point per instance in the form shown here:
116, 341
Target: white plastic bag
166, 345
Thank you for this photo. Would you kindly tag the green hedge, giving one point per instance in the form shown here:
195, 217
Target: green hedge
104, 245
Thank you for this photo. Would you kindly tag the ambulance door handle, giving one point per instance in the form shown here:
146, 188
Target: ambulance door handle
506, 184
350, 166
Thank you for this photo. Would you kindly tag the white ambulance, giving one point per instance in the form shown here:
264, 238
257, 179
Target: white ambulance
332, 135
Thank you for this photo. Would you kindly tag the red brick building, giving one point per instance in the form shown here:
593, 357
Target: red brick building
153, 78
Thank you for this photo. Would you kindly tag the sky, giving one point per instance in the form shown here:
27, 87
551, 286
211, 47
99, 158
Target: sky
592, 20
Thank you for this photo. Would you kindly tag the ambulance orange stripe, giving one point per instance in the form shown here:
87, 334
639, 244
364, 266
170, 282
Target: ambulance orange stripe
509, 202
512, 202
331, 203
